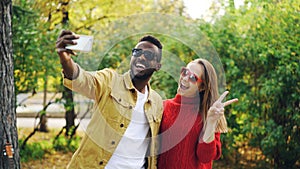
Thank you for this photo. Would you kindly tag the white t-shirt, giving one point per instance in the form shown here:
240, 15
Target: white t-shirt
130, 152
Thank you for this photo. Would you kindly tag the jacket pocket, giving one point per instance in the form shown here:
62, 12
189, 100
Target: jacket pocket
121, 104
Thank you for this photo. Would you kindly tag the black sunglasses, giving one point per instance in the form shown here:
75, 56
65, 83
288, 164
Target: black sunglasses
138, 52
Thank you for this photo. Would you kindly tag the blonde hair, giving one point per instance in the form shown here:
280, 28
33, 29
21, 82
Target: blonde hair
210, 93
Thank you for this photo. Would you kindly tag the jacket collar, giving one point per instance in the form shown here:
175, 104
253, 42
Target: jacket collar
128, 82
129, 86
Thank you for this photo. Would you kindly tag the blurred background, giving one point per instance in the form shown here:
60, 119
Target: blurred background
253, 44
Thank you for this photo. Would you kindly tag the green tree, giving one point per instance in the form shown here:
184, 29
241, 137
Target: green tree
33, 50
38, 24
25, 42
259, 45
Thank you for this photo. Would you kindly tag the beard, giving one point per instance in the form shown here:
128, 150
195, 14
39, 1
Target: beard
142, 75
145, 75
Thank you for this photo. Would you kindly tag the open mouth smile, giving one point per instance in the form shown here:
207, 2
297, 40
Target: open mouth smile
140, 66
184, 87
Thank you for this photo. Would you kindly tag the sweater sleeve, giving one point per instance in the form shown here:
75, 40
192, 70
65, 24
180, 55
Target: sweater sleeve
207, 152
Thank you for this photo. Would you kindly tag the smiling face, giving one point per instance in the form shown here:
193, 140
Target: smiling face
143, 67
188, 84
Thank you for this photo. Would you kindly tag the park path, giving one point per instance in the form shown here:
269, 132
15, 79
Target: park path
27, 109
56, 123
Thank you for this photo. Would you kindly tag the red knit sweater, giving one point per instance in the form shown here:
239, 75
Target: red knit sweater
180, 129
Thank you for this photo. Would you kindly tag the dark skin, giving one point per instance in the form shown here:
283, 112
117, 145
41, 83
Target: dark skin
69, 67
141, 68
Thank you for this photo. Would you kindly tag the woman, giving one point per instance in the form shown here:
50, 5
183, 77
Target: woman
193, 120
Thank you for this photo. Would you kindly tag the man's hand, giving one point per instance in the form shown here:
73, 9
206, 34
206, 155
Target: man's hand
65, 38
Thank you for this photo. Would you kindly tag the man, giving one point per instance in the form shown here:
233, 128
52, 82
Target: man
127, 112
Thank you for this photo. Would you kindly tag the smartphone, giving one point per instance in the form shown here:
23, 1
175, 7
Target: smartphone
84, 44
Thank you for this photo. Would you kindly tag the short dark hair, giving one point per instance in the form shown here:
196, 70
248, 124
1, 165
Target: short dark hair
155, 42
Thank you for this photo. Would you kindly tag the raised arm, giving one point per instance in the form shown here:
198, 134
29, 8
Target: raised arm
70, 68
215, 112
209, 146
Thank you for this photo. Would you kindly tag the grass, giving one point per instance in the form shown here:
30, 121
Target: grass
40, 152
43, 154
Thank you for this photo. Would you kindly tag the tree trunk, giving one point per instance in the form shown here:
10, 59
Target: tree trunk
69, 107
43, 117
67, 93
9, 154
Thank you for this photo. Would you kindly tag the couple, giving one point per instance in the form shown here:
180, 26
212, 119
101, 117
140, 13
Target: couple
131, 126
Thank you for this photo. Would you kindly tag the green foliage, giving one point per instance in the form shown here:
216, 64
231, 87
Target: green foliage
37, 150
34, 151
33, 50
65, 144
167, 88
24, 43
37, 24
259, 46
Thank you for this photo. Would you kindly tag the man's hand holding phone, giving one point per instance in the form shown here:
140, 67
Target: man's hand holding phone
70, 43
66, 45
66, 38
84, 44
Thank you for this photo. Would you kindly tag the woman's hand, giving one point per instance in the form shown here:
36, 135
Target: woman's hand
215, 112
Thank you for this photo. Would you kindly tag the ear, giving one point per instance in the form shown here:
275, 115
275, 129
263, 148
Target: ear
158, 66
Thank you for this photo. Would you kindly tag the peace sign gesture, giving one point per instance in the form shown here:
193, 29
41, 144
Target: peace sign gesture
216, 111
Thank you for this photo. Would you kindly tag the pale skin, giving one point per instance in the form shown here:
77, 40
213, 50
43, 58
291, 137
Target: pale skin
215, 112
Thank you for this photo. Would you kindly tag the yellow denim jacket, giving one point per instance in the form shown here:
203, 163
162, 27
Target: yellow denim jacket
115, 98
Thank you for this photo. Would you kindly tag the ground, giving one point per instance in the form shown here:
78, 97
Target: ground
59, 160
54, 161
51, 160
